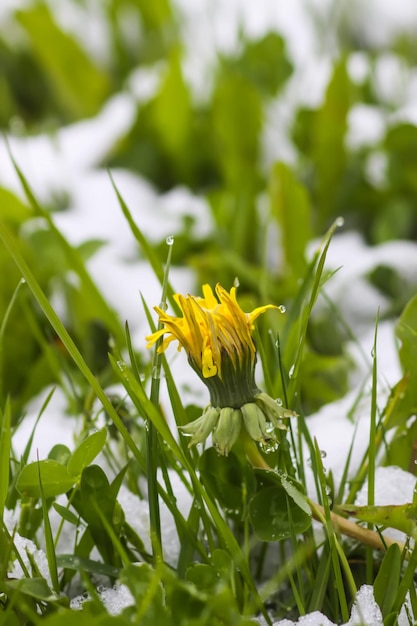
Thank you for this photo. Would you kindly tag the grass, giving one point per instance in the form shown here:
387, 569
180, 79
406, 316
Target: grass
247, 541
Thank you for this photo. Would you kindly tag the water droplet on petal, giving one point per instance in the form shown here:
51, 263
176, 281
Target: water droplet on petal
170, 240
340, 222
236, 282
282, 308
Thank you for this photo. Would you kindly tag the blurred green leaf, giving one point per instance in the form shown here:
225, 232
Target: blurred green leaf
329, 152
95, 494
264, 63
279, 507
400, 516
5, 446
274, 515
55, 479
324, 378
79, 84
401, 147
228, 479
60, 453
146, 588
86, 452
406, 331
172, 110
387, 580
290, 206
35, 587
237, 124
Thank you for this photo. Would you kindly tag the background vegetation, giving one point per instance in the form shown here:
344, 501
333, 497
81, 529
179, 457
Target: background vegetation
265, 212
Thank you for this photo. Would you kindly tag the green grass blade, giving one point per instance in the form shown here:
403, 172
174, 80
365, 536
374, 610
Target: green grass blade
226, 535
372, 452
152, 444
303, 308
107, 315
3, 326
49, 540
146, 247
66, 339
5, 447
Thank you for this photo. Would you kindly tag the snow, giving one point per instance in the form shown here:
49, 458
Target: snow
68, 162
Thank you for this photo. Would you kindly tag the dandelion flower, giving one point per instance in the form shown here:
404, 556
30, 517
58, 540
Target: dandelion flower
217, 337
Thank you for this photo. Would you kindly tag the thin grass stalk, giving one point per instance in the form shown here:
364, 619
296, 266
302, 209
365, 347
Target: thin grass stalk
75, 260
372, 452
76, 356
5, 447
406, 584
335, 551
226, 536
147, 249
49, 540
152, 444
66, 339
117, 544
297, 587
300, 312
10, 540
3, 326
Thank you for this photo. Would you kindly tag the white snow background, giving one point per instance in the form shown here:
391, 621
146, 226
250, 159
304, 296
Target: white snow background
67, 162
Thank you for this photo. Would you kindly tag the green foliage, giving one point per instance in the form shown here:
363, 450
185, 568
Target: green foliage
263, 62
290, 206
61, 470
242, 519
82, 90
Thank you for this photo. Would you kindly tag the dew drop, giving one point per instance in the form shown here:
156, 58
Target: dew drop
292, 369
279, 401
277, 343
236, 282
282, 308
323, 454
170, 240
269, 446
156, 372
163, 306
121, 365
340, 222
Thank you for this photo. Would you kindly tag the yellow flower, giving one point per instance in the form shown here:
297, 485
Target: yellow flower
217, 337
210, 329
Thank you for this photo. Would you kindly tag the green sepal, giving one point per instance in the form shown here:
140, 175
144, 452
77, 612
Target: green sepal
227, 430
